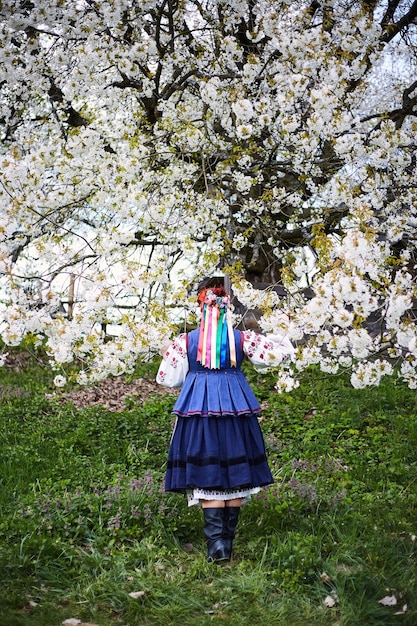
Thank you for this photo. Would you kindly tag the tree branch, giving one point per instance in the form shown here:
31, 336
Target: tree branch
392, 29
398, 115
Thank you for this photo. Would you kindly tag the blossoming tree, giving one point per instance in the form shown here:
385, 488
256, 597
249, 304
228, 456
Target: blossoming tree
148, 143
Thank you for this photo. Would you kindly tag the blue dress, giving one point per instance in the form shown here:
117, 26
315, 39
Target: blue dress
217, 443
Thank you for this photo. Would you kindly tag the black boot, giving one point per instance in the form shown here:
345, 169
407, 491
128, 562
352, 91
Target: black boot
231, 516
213, 530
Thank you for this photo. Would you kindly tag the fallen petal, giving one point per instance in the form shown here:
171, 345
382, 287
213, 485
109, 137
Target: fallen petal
329, 601
218, 605
136, 594
388, 601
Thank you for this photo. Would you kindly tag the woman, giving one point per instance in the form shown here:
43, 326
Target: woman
217, 452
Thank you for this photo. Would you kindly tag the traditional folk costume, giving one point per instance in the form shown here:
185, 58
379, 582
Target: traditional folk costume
217, 450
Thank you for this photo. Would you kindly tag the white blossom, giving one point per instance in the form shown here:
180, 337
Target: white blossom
243, 110
60, 381
286, 382
360, 343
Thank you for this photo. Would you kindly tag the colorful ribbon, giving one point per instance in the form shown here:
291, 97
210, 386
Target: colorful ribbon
216, 333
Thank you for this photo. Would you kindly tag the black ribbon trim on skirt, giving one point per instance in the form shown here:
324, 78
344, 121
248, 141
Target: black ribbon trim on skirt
212, 460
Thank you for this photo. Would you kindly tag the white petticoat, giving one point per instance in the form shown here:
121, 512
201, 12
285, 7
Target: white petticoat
197, 495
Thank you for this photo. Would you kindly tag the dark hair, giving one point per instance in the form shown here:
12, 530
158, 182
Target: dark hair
210, 283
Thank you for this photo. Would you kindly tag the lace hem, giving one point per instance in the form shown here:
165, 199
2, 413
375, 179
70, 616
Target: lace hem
197, 495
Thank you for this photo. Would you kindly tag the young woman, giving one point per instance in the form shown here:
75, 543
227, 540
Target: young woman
217, 452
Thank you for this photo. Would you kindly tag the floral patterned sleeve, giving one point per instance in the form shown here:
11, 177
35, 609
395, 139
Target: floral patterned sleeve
265, 351
174, 365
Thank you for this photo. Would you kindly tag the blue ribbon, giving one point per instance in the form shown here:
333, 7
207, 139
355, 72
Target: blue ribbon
224, 342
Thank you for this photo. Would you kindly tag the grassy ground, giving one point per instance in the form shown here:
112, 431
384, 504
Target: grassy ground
84, 521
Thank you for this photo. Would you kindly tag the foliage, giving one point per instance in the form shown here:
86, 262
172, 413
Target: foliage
84, 521
146, 144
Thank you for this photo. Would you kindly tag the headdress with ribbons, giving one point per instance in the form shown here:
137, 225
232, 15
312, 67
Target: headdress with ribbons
216, 329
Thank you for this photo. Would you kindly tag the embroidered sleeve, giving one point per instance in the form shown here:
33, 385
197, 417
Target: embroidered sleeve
174, 365
265, 351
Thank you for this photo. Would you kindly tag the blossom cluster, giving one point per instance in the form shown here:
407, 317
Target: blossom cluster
147, 145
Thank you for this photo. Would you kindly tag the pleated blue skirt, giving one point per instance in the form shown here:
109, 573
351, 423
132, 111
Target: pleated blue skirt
222, 454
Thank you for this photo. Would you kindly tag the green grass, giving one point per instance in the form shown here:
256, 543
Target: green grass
84, 520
